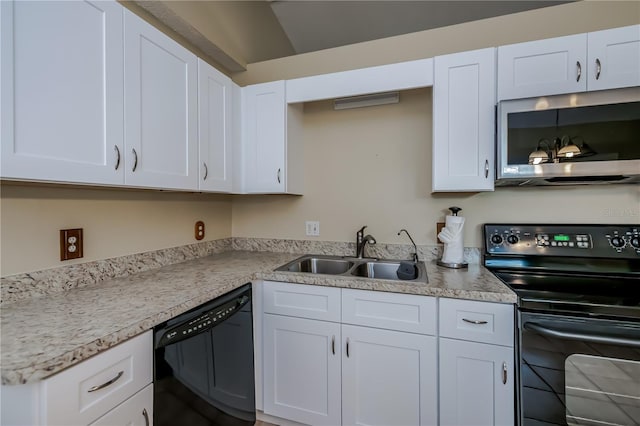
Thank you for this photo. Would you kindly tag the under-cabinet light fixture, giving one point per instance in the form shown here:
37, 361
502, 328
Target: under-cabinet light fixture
366, 100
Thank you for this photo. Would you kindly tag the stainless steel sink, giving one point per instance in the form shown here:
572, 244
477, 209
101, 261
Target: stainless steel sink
350, 266
317, 265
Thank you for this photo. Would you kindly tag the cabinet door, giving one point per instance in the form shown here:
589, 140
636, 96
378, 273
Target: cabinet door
388, 377
264, 137
135, 411
62, 91
543, 67
214, 128
301, 367
476, 384
463, 121
614, 58
160, 109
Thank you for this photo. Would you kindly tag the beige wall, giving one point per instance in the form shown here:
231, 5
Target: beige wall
115, 222
571, 18
372, 166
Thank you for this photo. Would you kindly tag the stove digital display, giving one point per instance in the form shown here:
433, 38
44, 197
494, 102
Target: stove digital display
561, 237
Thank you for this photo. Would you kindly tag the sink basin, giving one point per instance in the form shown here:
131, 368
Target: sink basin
382, 270
351, 266
318, 265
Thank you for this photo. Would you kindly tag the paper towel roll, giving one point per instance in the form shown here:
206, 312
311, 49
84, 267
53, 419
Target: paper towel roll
451, 235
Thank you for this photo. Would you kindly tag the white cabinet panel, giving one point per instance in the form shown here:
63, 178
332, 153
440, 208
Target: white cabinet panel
393, 311
136, 411
383, 78
614, 58
543, 67
476, 384
62, 91
214, 128
477, 321
302, 369
463, 121
299, 300
160, 109
388, 378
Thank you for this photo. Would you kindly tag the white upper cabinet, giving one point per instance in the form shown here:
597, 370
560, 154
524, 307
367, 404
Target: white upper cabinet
214, 129
598, 60
614, 58
272, 147
543, 67
161, 120
464, 99
62, 91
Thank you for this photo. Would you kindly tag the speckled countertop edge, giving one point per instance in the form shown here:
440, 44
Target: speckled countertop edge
45, 335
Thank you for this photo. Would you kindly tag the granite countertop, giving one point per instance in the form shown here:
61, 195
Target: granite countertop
44, 335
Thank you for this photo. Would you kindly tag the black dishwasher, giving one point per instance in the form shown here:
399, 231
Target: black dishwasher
203, 364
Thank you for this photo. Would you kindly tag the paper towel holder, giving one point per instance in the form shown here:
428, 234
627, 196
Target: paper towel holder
460, 265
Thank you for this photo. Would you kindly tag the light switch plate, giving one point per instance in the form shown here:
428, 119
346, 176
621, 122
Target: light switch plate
313, 228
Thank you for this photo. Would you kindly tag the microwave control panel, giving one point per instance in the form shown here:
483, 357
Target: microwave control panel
617, 241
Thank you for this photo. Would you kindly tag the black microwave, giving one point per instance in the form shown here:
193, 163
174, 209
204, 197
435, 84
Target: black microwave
580, 138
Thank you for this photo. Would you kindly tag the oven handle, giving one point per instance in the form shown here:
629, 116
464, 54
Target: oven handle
593, 338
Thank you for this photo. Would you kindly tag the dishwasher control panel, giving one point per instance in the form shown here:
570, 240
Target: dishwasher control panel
604, 241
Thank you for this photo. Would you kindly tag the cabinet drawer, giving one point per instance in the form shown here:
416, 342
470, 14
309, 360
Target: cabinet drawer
135, 411
69, 396
392, 311
305, 301
484, 322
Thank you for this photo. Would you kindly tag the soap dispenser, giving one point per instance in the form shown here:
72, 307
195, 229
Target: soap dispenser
451, 236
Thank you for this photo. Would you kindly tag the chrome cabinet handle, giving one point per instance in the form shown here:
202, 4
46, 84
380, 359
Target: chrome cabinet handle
278, 175
206, 171
504, 373
474, 321
598, 68
347, 348
104, 385
117, 156
579, 70
333, 345
146, 416
486, 168
135, 159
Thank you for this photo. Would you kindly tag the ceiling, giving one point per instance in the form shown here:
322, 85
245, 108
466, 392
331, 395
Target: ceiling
315, 25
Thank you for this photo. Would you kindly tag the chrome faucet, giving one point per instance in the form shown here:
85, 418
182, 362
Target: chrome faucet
415, 252
361, 242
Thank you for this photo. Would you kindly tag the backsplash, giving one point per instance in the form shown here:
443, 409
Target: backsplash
40, 283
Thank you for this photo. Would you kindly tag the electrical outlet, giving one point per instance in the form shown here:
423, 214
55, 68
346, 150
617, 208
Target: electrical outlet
70, 244
439, 226
199, 230
313, 228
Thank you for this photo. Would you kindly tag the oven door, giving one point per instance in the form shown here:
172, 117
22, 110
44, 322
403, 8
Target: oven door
578, 371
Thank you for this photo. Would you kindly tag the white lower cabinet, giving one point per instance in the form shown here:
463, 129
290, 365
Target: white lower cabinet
476, 383
476, 363
115, 384
323, 372
135, 411
302, 369
388, 377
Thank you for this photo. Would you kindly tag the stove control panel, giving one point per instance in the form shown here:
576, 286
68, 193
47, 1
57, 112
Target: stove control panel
609, 241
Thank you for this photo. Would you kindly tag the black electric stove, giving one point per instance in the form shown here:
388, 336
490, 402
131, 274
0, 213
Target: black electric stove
589, 270
578, 320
